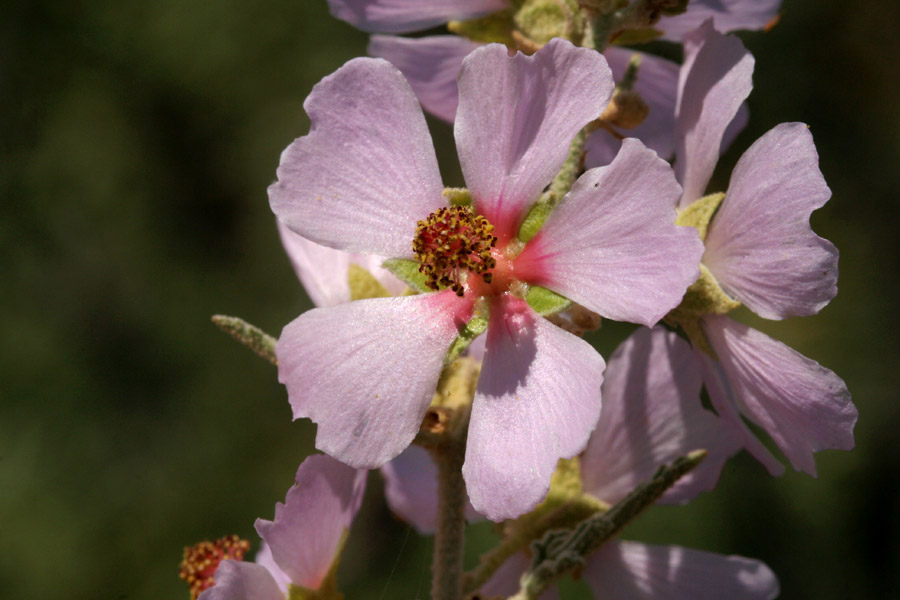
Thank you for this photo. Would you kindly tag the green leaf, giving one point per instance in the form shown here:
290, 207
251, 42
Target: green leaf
546, 302
363, 284
407, 271
535, 218
472, 330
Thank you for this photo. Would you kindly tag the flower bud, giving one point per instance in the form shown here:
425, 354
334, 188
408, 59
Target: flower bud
626, 109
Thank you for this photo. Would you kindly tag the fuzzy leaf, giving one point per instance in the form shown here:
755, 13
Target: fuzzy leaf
546, 302
535, 218
407, 271
472, 330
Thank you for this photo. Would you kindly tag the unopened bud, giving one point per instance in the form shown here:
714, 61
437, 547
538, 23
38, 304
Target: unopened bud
626, 109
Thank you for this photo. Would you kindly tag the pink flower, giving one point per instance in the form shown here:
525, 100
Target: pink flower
432, 63
404, 16
650, 417
762, 251
635, 571
301, 546
365, 179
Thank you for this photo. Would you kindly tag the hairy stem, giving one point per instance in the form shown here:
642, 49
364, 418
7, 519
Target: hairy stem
561, 551
565, 516
447, 562
572, 168
251, 336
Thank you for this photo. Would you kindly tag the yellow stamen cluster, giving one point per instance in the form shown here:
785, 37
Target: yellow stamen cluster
201, 560
452, 241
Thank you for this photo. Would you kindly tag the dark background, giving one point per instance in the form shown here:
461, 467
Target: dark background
137, 142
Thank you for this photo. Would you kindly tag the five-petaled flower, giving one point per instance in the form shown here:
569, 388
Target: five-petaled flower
365, 179
761, 252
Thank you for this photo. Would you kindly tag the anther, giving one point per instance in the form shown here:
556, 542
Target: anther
452, 242
201, 560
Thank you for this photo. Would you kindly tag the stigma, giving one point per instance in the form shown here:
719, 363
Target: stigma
452, 243
201, 561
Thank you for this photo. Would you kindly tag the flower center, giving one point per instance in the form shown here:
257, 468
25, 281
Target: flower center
452, 242
201, 561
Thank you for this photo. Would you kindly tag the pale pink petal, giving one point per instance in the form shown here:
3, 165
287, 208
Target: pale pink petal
715, 79
411, 488
517, 117
538, 398
265, 559
306, 533
657, 83
238, 580
737, 125
366, 173
632, 571
722, 398
612, 244
652, 415
403, 16
802, 405
760, 245
727, 15
323, 270
505, 580
430, 64
366, 371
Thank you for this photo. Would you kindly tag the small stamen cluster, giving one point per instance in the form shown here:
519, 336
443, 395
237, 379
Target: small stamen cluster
201, 560
453, 241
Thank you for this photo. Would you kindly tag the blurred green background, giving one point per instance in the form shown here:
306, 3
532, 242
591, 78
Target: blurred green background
137, 142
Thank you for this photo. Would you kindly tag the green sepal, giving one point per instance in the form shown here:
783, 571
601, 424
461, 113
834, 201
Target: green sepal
475, 327
457, 196
699, 213
535, 218
546, 302
631, 37
704, 297
327, 590
496, 27
363, 284
407, 271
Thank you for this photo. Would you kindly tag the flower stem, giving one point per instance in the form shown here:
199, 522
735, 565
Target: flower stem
565, 516
560, 551
251, 336
572, 168
447, 562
